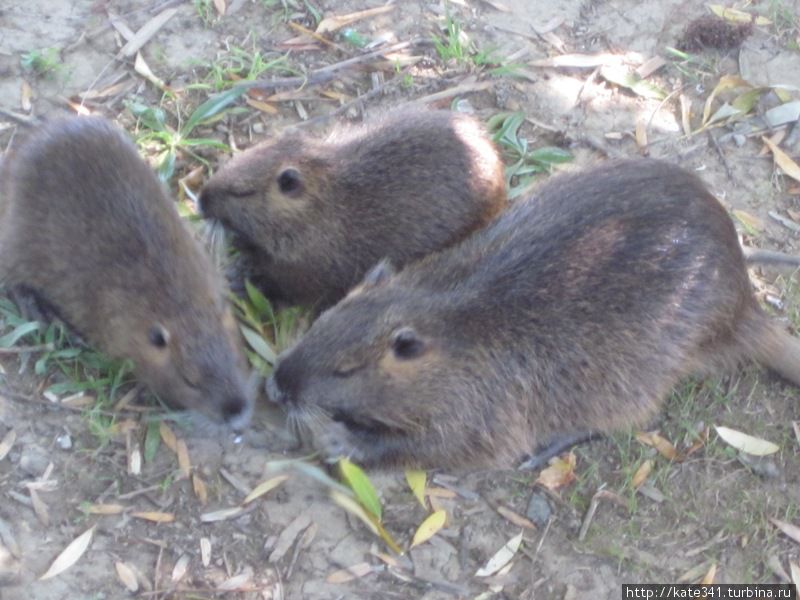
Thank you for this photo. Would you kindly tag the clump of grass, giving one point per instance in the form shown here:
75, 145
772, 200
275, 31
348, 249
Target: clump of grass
44, 62
524, 163
236, 65
455, 44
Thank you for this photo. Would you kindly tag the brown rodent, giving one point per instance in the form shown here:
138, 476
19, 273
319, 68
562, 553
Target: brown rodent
87, 230
576, 310
310, 216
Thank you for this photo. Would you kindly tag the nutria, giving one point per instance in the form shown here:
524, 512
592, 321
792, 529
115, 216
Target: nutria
311, 216
88, 232
576, 310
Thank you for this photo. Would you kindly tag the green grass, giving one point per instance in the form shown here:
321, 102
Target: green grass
44, 62
522, 162
237, 65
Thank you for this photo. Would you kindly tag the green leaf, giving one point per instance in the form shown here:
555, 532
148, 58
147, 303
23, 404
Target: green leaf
551, 155
258, 300
361, 486
416, 479
152, 118
166, 166
259, 344
152, 440
210, 108
210, 142
18, 333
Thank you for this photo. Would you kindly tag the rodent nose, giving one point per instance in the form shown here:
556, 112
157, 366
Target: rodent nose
274, 392
236, 412
206, 199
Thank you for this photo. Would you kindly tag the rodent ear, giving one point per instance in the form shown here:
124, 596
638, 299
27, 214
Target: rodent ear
158, 336
378, 275
290, 181
406, 344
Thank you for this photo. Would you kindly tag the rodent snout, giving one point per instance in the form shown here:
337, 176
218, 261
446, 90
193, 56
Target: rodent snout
274, 392
236, 411
206, 199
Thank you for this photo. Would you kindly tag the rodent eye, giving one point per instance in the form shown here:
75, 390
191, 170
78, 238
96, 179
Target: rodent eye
406, 344
289, 181
158, 336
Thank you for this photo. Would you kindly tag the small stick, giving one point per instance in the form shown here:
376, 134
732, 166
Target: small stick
721, 155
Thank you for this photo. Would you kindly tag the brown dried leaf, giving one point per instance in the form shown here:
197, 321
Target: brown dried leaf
708, 578
642, 473
200, 489
664, 446
7, 443
440, 492
70, 555
515, 518
329, 24
168, 437
787, 165
39, 507
154, 516
127, 576
105, 509
180, 568
264, 487
749, 221
184, 463
793, 531
262, 106
561, 472
350, 573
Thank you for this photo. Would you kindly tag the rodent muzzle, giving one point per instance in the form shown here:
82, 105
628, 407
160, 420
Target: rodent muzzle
274, 392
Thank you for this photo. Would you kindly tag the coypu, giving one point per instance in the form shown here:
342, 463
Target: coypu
576, 310
311, 216
89, 235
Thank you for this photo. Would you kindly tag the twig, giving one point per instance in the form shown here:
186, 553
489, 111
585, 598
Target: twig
462, 88
325, 74
721, 155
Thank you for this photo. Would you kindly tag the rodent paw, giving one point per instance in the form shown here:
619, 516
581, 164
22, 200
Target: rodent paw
336, 441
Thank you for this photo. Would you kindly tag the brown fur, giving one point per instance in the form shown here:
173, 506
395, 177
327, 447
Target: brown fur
399, 187
86, 229
575, 310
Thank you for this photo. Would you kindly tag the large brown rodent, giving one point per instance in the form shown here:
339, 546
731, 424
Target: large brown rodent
88, 231
575, 310
311, 216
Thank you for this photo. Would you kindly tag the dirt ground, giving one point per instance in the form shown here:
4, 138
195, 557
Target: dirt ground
706, 516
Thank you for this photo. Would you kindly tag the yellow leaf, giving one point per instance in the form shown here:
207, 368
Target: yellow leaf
782, 159
200, 489
726, 82
264, 487
752, 223
354, 508
560, 472
501, 558
105, 509
429, 527
416, 481
184, 463
746, 443
736, 16
70, 555
154, 516
168, 437
664, 446
708, 579
641, 474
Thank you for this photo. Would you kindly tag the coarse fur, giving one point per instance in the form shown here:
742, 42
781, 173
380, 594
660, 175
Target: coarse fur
576, 310
310, 216
87, 230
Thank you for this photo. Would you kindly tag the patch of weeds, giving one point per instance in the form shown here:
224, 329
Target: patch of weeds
693, 67
45, 62
786, 23
206, 11
523, 164
236, 65
155, 134
454, 45
266, 331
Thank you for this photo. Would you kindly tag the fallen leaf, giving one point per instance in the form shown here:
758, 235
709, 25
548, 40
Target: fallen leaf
726, 82
184, 463
329, 24
168, 437
787, 165
180, 568
143, 69
746, 443
221, 515
237, 583
262, 106
358, 481
501, 558
561, 472
708, 578
200, 490
416, 479
642, 473
220, 6
147, 31
264, 487
428, 528
686, 113
154, 516
752, 223
654, 440
796, 427
515, 518
135, 460
70, 555
736, 16
205, 551
127, 576
440, 492
105, 509
25, 96
640, 134
793, 531
7, 443
350, 573
39, 507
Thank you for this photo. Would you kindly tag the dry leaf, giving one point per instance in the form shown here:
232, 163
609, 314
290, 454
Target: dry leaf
428, 528
793, 531
641, 136
329, 24
264, 487
154, 516
352, 506
737, 16
642, 473
39, 507
7, 443
143, 69
70, 555
105, 509
686, 114
664, 446
708, 578
262, 106
561, 472
168, 437
200, 490
749, 221
501, 558
135, 460
416, 479
787, 165
237, 583
127, 576
25, 96
726, 82
184, 463
746, 443
440, 492
221, 515
180, 568
220, 6
350, 573
147, 31
515, 518
205, 551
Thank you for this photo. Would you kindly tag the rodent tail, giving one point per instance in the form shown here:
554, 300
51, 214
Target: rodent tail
778, 350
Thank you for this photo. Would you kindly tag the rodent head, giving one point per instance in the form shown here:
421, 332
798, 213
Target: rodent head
270, 196
383, 362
